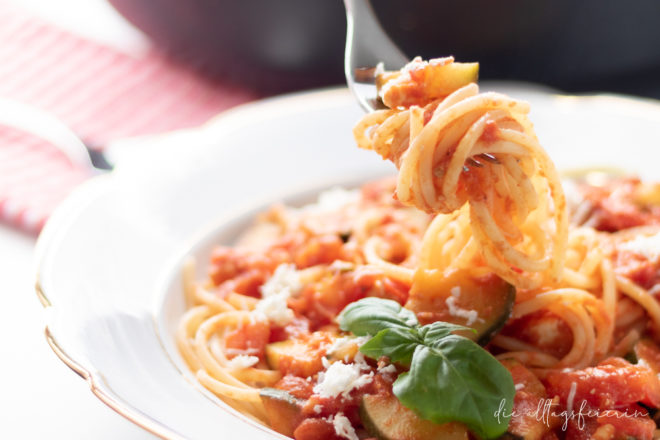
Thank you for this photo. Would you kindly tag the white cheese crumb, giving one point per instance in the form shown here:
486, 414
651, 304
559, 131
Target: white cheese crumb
275, 308
519, 386
243, 361
648, 247
390, 369
454, 310
341, 378
546, 332
317, 409
571, 397
285, 279
360, 361
345, 341
284, 282
343, 427
241, 351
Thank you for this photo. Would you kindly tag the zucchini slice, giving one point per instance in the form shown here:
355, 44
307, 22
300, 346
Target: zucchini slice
385, 418
276, 352
284, 411
481, 302
294, 356
435, 79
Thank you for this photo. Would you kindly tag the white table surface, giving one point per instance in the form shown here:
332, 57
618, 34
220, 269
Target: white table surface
40, 397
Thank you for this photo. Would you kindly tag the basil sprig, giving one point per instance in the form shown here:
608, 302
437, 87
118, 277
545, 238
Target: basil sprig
450, 377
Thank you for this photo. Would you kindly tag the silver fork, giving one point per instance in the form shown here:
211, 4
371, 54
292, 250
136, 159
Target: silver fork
367, 45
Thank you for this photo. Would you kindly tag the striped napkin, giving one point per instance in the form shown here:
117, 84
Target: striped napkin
101, 93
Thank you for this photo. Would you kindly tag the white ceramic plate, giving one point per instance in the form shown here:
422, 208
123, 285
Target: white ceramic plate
109, 258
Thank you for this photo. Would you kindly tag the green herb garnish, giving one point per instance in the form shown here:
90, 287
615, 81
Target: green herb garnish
450, 377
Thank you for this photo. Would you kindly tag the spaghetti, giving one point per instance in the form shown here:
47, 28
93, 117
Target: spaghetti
478, 149
261, 332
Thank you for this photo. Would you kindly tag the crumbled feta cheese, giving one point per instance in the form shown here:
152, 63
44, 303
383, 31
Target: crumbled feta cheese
284, 282
341, 378
571, 397
342, 343
454, 310
519, 386
390, 369
241, 351
648, 247
285, 279
243, 361
343, 427
546, 331
317, 409
360, 361
275, 308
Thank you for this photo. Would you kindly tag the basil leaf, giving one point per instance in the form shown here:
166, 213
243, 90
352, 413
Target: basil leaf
457, 380
437, 330
370, 315
451, 378
398, 344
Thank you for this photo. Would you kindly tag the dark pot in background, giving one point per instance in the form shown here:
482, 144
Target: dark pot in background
295, 44
273, 45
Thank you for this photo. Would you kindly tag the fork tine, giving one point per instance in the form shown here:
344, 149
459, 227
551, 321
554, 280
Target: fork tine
473, 162
489, 158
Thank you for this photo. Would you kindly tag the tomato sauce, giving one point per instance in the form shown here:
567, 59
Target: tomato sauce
619, 204
544, 330
615, 394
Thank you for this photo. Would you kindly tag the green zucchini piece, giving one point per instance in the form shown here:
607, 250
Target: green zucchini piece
284, 411
439, 80
385, 418
436, 296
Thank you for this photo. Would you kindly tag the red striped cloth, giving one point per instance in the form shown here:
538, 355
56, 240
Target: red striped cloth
101, 93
